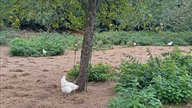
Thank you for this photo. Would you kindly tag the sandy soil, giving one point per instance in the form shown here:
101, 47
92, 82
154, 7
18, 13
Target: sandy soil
34, 82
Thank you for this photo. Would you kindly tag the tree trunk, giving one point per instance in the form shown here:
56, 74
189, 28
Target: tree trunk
87, 44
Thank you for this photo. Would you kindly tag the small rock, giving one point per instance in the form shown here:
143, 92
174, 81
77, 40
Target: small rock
45, 70
16, 70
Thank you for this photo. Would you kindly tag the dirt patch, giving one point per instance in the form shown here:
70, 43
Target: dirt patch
34, 82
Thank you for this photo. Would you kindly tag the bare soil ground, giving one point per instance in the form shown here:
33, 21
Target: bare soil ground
34, 82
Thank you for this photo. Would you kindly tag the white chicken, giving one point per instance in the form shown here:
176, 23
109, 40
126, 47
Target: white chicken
170, 43
68, 87
44, 52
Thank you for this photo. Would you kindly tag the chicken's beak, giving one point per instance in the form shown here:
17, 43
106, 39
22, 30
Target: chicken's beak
77, 88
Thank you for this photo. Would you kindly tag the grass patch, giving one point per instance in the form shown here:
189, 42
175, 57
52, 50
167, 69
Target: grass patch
142, 38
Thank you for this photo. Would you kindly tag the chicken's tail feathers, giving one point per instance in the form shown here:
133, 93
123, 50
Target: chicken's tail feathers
63, 79
64, 75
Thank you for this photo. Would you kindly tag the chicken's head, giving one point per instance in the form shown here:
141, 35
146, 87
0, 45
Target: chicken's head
77, 88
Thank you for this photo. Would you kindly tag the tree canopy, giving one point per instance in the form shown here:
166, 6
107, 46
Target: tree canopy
113, 14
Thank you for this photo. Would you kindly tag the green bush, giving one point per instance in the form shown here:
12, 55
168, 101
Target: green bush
173, 83
22, 47
99, 72
181, 59
135, 98
170, 78
53, 45
73, 72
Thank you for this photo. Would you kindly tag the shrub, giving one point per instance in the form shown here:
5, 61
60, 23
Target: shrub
73, 72
22, 47
134, 98
98, 72
169, 77
173, 83
53, 46
132, 69
181, 59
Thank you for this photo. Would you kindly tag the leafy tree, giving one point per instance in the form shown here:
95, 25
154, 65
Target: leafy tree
155, 15
50, 14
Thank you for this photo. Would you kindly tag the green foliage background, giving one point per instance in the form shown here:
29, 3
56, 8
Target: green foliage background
174, 15
142, 38
56, 43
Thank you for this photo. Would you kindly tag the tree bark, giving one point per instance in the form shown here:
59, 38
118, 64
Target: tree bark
87, 44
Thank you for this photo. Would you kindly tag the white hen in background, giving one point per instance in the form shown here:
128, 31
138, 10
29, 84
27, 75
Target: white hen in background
67, 87
170, 43
44, 52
